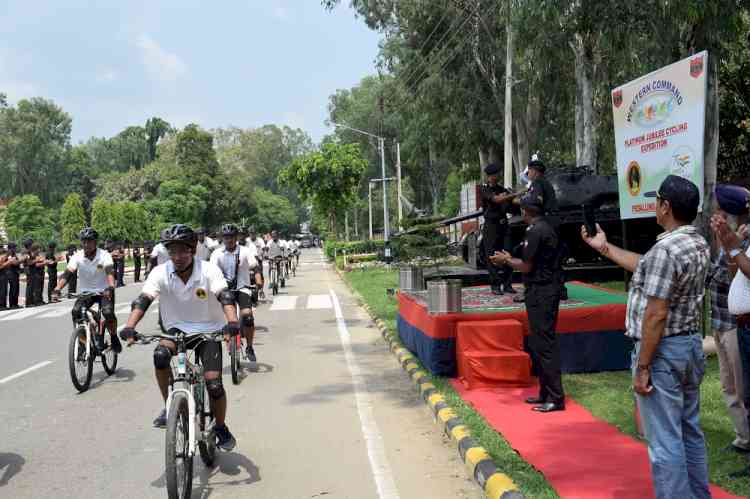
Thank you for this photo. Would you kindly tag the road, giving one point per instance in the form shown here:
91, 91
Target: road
327, 413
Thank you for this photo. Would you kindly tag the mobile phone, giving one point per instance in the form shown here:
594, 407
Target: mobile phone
589, 220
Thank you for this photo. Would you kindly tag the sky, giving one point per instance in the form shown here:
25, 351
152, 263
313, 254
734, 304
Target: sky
244, 63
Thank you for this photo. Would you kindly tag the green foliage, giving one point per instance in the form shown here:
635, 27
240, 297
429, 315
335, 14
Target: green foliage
72, 218
352, 248
274, 212
34, 138
327, 178
180, 202
26, 217
422, 241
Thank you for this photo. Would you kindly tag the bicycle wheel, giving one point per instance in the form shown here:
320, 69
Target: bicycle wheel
234, 358
109, 356
207, 445
179, 463
81, 365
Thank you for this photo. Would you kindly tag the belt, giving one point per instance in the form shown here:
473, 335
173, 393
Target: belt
743, 320
686, 333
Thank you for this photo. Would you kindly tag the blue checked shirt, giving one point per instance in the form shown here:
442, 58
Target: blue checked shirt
674, 269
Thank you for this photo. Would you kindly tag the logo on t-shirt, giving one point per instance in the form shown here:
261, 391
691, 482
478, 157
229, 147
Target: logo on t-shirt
201, 293
99, 267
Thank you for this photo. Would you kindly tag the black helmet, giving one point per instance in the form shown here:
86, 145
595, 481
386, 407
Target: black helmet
88, 234
229, 230
178, 233
200, 230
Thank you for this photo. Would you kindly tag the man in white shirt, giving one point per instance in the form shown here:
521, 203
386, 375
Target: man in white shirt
205, 245
96, 277
158, 256
194, 299
238, 265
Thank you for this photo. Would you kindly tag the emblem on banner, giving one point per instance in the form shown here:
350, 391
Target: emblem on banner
696, 66
633, 176
617, 98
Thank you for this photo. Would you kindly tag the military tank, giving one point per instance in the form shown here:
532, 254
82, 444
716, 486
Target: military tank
576, 187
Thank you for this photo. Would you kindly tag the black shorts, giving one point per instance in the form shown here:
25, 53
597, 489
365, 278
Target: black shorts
106, 306
209, 352
244, 297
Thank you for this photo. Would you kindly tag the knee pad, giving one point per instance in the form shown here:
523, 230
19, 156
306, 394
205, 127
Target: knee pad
162, 357
77, 314
215, 389
248, 321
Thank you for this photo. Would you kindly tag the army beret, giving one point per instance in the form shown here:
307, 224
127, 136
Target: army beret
491, 169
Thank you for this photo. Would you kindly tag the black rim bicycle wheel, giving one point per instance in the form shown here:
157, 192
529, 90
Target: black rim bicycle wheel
207, 446
109, 356
179, 462
81, 366
234, 357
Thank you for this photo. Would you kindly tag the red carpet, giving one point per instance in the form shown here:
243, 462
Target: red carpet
582, 457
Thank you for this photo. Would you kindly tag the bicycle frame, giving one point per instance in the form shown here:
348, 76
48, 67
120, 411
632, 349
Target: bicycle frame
91, 325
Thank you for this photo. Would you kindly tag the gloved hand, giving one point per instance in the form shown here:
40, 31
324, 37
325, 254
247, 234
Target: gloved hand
128, 334
232, 328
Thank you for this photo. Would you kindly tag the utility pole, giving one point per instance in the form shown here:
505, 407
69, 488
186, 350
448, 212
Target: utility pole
508, 143
386, 229
398, 188
369, 202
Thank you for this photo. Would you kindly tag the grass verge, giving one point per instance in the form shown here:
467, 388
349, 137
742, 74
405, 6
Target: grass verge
607, 395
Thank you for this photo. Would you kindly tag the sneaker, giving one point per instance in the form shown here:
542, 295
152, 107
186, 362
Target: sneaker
161, 419
116, 345
99, 342
250, 354
224, 438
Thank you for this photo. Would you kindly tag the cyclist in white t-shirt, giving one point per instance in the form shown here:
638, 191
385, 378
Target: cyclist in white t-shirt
238, 265
194, 298
96, 279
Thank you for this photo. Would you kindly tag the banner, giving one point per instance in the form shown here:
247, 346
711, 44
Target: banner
659, 121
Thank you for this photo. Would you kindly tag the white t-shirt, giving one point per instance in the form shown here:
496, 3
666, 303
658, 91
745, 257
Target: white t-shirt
259, 244
160, 253
738, 300
91, 275
203, 249
227, 263
192, 307
274, 249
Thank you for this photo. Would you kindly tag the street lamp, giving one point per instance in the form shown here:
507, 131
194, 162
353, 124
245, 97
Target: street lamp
381, 142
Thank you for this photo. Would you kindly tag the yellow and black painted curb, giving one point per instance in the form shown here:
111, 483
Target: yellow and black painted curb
496, 485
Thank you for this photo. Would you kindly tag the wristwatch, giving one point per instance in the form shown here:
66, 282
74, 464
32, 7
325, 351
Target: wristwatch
734, 252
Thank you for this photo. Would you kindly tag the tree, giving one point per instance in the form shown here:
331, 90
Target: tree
196, 156
34, 137
327, 178
156, 128
26, 217
179, 202
72, 218
107, 219
274, 212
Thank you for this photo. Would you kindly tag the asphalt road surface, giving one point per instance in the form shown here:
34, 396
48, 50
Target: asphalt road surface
327, 412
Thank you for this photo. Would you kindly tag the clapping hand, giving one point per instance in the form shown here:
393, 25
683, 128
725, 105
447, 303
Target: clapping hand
598, 242
727, 237
500, 257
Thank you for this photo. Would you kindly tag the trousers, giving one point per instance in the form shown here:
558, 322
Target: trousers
493, 236
670, 417
733, 384
542, 307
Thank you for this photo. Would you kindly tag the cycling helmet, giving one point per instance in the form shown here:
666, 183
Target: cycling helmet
178, 233
88, 234
229, 230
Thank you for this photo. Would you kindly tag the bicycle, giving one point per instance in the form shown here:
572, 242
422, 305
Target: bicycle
82, 350
237, 346
190, 421
274, 273
295, 262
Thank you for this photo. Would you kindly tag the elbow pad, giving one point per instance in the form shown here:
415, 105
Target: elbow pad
226, 297
142, 302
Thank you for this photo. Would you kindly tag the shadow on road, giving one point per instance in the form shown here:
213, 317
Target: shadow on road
230, 469
120, 376
10, 466
256, 368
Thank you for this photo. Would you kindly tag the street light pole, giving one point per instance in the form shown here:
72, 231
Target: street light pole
398, 188
369, 202
386, 229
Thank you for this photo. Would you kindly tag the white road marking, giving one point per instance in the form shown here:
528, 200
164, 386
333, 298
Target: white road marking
381, 470
284, 303
55, 313
25, 371
22, 314
318, 302
9, 312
